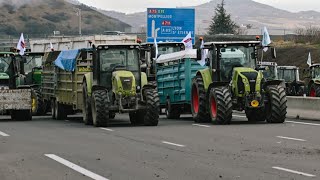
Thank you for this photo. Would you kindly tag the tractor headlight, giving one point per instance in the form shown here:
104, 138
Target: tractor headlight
138, 87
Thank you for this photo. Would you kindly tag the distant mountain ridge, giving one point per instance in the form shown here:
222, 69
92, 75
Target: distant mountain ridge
243, 12
45, 16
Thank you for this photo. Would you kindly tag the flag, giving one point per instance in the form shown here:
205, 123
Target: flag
156, 46
204, 53
266, 39
21, 45
188, 41
51, 47
309, 62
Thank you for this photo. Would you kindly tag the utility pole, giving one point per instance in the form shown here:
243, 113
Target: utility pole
80, 19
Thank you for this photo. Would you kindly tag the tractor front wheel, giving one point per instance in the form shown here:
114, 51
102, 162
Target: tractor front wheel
199, 100
151, 116
276, 107
100, 108
172, 112
220, 105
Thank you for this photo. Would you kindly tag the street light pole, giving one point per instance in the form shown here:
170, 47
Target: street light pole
80, 19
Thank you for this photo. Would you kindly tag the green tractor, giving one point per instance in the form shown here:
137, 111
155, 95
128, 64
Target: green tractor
291, 76
33, 72
15, 95
312, 80
117, 85
233, 81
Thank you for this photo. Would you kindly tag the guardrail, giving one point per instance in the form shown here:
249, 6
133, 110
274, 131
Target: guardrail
303, 107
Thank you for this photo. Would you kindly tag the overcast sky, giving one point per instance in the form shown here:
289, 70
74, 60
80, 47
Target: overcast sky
129, 6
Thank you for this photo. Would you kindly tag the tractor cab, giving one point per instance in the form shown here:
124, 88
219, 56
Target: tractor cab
288, 73
11, 72
117, 68
312, 80
33, 62
148, 53
269, 70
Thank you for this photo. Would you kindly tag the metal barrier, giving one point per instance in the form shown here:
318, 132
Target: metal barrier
303, 107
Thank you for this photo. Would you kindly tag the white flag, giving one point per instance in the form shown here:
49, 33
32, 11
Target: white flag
51, 47
21, 45
156, 46
204, 54
266, 39
309, 62
188, 41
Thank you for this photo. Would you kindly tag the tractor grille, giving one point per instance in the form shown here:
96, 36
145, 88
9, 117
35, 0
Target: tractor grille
252, 78
126, 83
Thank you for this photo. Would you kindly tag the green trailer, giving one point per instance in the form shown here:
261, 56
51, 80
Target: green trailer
175, 72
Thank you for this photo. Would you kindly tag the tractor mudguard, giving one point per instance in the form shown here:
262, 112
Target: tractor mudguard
88, 78
144, 79
275, 82
206, 76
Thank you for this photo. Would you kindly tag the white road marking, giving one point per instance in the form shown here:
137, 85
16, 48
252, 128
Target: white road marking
239, 116
296, 122
200, 125
295, 139
4, 134
293, 171
75, 167
174, 144
107, 129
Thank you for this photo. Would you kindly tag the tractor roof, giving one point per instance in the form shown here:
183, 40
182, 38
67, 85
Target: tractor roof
230, 43
107, 46
263, 63
190, 53
288, 67
315, 65
8, 53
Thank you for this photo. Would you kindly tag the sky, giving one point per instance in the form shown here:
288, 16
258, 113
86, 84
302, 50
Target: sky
130, 6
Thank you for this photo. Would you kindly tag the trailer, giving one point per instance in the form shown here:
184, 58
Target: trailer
175, 72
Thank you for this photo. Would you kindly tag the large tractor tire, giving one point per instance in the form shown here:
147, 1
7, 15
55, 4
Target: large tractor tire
137, 117
199, 101
172, 111
38, 105
21, 115
220, 105
276, 108
255, 115
151, 116
100, 108
86, 110
153, 84
314, 90
53, 109
60, 112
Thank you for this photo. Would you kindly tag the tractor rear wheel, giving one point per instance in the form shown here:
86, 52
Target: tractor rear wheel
276, 107
315, 90
86, 109
38, 106
60, 111
172, 111
220, 103
100, 108
151, 116
199, 101
255, 115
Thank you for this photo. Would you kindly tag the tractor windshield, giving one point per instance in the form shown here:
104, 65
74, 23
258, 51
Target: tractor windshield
235, 56
316, 72
166, 49
127, 58
4, 64
288, 75
32, 62
269, 72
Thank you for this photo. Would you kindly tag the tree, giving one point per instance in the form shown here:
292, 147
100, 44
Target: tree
221, 22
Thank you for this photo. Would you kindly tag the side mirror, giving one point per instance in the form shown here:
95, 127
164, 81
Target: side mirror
273, 53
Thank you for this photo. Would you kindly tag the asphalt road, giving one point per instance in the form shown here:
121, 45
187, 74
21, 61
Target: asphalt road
45, 149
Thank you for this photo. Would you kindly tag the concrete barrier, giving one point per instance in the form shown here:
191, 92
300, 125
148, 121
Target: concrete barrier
303, 108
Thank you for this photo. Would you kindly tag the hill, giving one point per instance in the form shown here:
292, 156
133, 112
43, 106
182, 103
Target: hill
42, 17
243, 12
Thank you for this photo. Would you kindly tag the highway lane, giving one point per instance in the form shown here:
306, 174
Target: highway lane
176, 149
